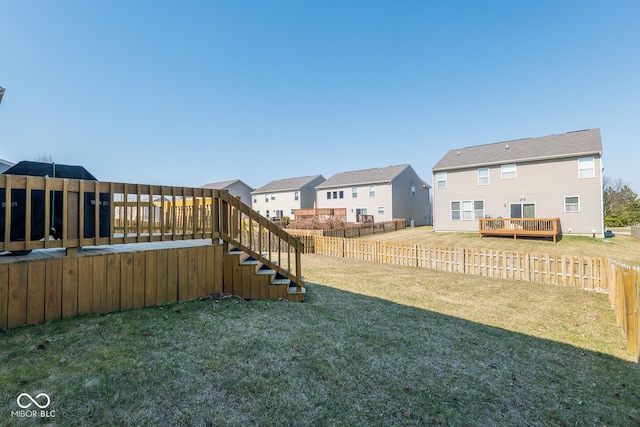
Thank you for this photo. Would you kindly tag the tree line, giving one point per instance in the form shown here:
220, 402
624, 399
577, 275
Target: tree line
621, 204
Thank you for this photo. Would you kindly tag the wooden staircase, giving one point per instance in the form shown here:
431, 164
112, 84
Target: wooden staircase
249, 278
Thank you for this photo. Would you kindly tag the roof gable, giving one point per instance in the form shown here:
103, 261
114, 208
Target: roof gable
224, 184
365, 176
288, 184
579, 143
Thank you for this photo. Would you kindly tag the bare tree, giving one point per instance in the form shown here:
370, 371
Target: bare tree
45, 158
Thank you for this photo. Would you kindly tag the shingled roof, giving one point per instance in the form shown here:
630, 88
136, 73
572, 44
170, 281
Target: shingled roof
571, 144
365, 176
223, 184
287, 184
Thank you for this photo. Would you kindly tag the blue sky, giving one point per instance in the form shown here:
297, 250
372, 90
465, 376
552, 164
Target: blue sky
186, 93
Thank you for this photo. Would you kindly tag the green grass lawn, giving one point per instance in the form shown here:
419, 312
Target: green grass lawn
373, 345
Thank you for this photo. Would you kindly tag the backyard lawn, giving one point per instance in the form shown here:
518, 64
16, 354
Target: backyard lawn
373, 344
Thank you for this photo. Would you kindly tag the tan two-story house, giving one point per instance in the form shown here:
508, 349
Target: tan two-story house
383, 194
555, 176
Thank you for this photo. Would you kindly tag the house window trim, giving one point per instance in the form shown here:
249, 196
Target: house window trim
572, 204
592, 168
380, 210
354, 192
372, 191
473, 215
296, 196
441, 180
503, 172
484, 177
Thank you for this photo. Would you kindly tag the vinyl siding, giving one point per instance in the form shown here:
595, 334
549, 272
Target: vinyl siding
407, 206
382, 198
544, 183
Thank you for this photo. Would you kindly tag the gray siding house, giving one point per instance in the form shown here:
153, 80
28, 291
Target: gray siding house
235, 187
386, 193
280, 198
556, 176
4, 165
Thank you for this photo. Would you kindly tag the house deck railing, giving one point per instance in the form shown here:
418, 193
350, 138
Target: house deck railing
530, 227
135, 213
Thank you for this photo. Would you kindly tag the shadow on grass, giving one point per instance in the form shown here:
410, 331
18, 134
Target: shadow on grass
338, 359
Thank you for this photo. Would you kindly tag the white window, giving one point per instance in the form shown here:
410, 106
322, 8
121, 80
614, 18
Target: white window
572, 204
478, 209
341, 194
354, 192
508, 171
381, 210
296, 195
455, 210
267, 215
293, 212
441, 177
413, 190
335, 194
255, 199
586, 167
467, 210
273, 196
266, 199
328, 194
372, 191
483, 176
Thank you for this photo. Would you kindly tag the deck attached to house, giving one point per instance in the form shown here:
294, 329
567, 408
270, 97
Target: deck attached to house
520, 227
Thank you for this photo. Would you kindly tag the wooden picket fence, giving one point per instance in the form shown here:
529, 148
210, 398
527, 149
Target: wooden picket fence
307, 237
621, 282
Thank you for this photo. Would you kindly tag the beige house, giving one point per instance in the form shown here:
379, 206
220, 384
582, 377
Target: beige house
280, 198
556, 176
235, 187
384, 193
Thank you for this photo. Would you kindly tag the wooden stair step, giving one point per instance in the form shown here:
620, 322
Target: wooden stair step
248, 260
264, 269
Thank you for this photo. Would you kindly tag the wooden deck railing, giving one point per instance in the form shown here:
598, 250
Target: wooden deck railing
530, 227
135, 213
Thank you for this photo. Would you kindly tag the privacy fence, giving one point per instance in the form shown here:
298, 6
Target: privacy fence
620, 281
635, 231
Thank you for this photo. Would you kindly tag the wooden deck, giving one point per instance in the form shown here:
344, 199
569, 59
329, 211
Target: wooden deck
520, 227
98, 247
